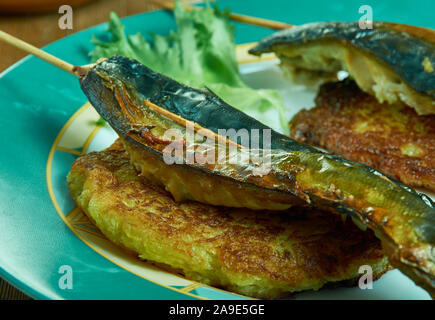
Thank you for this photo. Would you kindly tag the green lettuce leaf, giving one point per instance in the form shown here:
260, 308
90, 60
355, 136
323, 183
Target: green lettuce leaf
200, 53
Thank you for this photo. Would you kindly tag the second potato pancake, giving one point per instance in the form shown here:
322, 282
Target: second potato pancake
390, 138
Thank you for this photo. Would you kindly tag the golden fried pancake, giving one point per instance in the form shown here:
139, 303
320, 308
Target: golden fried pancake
390, 138
255, 253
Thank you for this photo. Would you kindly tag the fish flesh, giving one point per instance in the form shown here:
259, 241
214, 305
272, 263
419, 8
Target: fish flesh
393, 62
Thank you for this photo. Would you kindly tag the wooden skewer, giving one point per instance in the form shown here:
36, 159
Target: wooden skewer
169, 5
20, 44
187, 123
77, 71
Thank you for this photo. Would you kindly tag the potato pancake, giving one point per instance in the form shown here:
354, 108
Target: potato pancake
255, 253
393, 139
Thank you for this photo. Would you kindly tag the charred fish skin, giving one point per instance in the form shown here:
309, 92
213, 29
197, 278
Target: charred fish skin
119, 79
112, 99
403, 219
401, 51
408, 51
200, 106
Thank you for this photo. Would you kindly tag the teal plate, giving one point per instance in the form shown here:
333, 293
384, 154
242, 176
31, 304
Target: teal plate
45, 124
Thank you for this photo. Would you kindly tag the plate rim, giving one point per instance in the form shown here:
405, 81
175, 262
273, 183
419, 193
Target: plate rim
7, 276
245, 60
32, 291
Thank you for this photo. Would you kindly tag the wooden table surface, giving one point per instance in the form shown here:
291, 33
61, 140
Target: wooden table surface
40, 30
